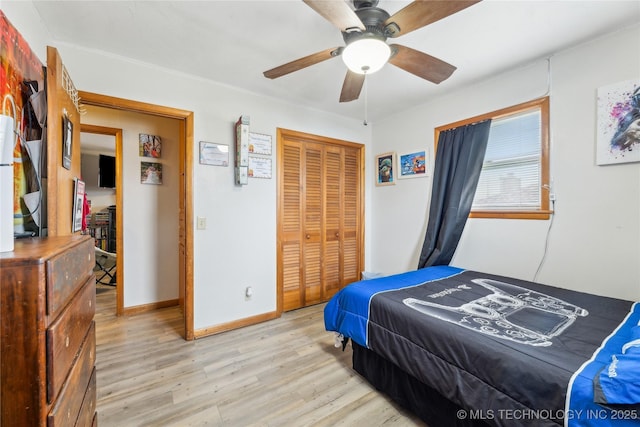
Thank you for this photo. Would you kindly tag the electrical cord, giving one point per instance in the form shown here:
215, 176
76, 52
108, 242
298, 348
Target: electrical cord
546, 243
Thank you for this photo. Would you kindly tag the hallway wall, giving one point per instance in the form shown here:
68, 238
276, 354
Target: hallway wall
150, 212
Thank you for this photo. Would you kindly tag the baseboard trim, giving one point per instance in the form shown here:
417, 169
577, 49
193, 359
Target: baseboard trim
236, 324
137, 309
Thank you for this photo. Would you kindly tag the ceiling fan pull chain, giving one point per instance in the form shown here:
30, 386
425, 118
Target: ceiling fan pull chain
366, 98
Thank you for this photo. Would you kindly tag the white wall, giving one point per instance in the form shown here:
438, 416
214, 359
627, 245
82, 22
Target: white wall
149, 212
594, 244
238, 248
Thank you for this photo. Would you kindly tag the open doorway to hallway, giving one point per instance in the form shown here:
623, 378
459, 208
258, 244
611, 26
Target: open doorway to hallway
98, 146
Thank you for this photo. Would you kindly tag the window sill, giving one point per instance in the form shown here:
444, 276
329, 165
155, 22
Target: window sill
537, 214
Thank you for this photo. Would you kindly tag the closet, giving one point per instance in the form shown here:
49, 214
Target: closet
320, 217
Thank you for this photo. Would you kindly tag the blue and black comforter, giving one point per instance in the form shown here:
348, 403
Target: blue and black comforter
512, 352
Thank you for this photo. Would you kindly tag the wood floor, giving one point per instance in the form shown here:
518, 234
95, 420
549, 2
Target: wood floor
285, 372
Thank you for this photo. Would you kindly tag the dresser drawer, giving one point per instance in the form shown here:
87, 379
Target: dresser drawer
66, 272
88, 409
66, 334
73, 395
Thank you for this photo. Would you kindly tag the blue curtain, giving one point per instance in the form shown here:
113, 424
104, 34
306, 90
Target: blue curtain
457, 169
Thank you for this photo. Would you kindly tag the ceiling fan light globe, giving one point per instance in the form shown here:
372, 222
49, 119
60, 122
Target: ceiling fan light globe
366, 55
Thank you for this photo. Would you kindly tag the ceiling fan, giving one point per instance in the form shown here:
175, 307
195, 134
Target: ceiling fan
365, 31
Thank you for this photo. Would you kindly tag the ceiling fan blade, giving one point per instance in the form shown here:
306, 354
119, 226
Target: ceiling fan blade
337, 12
301, 63
352, 86
424, 12
422, 65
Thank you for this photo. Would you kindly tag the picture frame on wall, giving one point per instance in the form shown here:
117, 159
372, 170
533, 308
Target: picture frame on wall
412, 165
78, 204
67, 142
150, 145
259, 167
385, 169
214, 154
260, 144
150, 173
618, 138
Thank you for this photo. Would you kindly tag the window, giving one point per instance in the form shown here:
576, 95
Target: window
514, 182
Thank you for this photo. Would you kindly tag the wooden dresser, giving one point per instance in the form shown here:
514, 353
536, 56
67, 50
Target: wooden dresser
47, 333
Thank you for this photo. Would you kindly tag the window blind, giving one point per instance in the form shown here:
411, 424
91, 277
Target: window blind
510, 177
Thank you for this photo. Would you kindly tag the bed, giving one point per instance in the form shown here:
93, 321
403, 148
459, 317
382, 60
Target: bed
460, 347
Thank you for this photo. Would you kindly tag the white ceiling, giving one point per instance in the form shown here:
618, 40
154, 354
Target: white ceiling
233, 42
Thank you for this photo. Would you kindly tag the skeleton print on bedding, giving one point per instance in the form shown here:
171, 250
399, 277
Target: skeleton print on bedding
501, 310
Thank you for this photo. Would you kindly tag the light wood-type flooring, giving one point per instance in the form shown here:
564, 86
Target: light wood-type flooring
285, 372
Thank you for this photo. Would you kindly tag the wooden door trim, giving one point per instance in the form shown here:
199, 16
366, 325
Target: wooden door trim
296, 136
186, 168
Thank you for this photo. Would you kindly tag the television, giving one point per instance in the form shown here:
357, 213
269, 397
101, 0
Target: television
106, 171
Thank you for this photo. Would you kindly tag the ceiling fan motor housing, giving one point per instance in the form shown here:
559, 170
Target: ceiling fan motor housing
364, 3
373, 19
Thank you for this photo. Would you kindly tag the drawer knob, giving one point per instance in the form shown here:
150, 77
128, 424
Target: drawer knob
66, 341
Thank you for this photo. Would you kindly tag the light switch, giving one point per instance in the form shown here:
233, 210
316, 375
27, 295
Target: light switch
201, 223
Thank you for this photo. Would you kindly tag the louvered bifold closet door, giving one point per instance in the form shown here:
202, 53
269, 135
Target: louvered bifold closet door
290, 226
352, 214
319, 216
313, 223
333, 185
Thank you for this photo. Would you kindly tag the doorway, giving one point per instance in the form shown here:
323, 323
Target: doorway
112, 144
185, 200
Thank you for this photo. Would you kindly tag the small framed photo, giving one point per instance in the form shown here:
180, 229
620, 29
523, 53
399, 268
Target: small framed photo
67, 142
259, 167
150, 145
78, 204
150, 173
412, 165
259, 144
385, 169
214, 154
